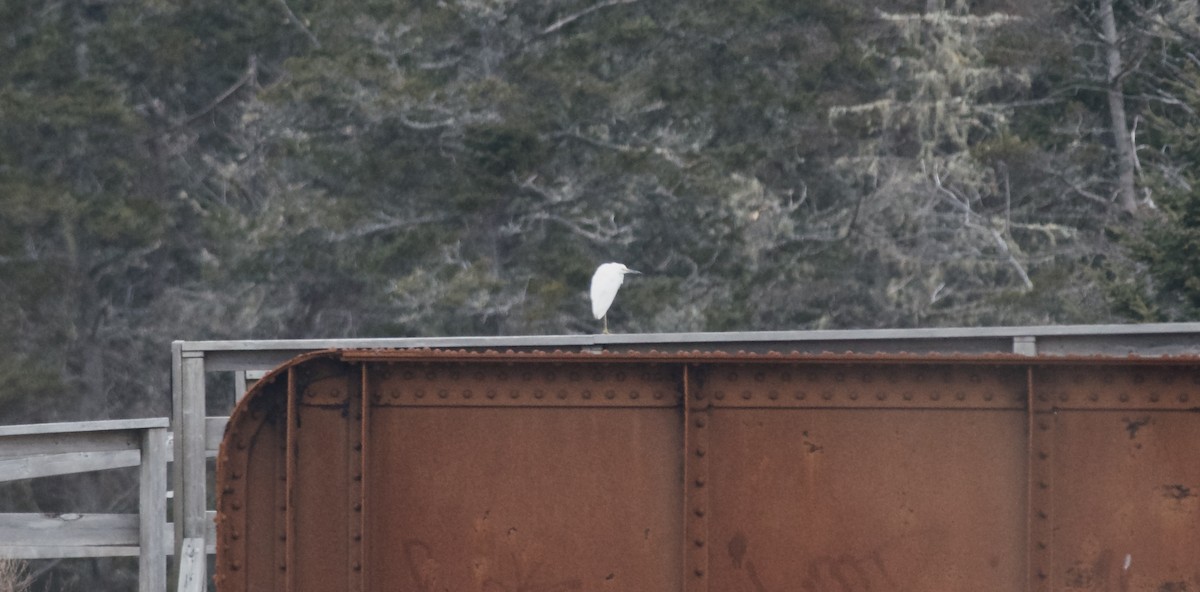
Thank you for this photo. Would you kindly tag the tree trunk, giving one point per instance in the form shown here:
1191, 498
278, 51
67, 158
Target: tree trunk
1116, 109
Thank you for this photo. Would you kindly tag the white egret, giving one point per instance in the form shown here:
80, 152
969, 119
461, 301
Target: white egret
605, 283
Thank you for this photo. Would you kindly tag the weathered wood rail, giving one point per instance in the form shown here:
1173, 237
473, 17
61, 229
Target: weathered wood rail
45, 450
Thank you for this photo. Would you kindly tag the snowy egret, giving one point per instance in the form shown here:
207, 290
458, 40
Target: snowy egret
605, 283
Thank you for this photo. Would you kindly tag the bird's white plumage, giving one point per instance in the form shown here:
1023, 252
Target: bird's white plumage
605, 283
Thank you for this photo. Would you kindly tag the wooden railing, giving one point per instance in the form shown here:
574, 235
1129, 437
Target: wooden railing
45, 450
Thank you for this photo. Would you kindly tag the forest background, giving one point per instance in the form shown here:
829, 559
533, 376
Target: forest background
220, 169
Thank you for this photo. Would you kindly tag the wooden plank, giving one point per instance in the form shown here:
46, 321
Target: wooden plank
152, 512
190, 456
65, 552
68, 530
192, 565
84, 426
47, 465
214, 432
53, 443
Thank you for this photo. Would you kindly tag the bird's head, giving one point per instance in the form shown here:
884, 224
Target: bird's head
626, 270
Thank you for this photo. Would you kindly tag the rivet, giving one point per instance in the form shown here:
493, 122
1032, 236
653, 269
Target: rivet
430, 375
746, 395
282, 507
514, 394
597, 377
853, 396
610, 394
357, 506
587, 394
719, 395
732, 376
699, 542
1041, 396
1043, 485
357, 446
700, 481
420, 394
907, 396
538, 394
699, 395
801, 395
1064, 397
1154, 397
1093, 397
527, 376
620, 377
658, 395
1124, 397
358, 536
634, 395
394, 393
443, 393
233, 565
773, 395
700, 451
455, 375
282, 567
1042, 455
551, 377
759, 376
1041, 514
935, 396
241, 445
700, 422
358, 477
699, 573
357, 566
573, 377
467, 394
827, 395
1043, 426
786, 376
840, 377
228, 490
1041, 545
561, 394
1183, 397
974, 377
961, 396
880, 395
283, 536
988, 396
699, 512
236, 505
234, 475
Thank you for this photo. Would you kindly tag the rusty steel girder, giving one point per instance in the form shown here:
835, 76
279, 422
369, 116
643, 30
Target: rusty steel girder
425, 470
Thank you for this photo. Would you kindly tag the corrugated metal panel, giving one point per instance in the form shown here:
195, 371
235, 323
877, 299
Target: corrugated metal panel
453, 470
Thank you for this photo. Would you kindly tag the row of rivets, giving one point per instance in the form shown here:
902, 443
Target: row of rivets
514, 394
775, 395
527, 375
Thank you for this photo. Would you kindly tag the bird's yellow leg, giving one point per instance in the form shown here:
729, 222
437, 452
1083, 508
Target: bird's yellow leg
606, 324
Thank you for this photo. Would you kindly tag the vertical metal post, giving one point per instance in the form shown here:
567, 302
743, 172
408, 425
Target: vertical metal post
363, 475
152, 512
1039, 515
289, 495
696, 419
191, 469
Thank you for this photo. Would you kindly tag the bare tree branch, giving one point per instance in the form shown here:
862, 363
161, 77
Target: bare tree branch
566, 20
